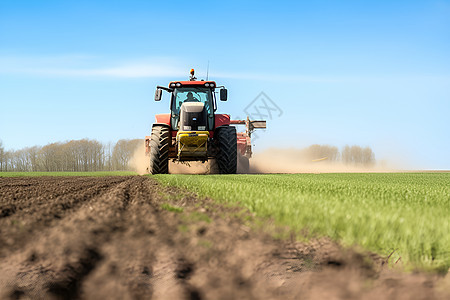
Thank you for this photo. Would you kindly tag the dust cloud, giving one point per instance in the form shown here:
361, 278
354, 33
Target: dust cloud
139, 162
191, 167
273, 160
293, 160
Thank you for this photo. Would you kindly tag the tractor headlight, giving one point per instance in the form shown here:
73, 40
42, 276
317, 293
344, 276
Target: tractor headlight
211, 84
172, 84
207, 84
178, 84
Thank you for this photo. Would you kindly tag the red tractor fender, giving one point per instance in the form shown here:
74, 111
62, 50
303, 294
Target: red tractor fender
162, 119
221, 120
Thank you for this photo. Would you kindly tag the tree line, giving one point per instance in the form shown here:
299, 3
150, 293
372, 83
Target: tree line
90, 155
350, 155
70, 156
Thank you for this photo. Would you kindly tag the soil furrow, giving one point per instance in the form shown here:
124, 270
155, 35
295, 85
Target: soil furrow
62, 254
45, 192
49, 210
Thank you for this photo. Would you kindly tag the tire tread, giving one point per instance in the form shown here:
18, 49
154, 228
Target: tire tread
226, 142
159, 150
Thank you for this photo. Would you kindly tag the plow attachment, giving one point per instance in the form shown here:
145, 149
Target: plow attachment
244, 139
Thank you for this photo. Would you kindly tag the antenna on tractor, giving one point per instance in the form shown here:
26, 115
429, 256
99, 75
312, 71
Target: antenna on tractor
207, 72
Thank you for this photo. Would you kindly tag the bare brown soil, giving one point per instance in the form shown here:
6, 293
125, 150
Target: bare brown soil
127, 238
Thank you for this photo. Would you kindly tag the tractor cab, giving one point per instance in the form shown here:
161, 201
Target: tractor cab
192, 106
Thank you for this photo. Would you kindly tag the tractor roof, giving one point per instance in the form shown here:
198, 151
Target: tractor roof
192, 83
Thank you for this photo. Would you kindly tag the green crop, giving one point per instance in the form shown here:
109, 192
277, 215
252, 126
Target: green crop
404, 213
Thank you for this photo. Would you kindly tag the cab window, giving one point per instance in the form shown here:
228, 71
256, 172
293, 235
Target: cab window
191, 94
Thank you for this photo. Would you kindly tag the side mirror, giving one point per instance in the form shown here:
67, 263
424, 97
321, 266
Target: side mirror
158, 94
223, 95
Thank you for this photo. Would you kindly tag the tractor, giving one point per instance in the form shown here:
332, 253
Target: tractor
193, 131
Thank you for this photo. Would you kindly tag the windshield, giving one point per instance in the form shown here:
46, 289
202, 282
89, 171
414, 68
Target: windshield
191, 94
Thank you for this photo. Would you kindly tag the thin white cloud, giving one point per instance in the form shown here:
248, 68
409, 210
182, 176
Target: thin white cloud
334, 79
91, 66
123, 71
86, 66
285, 77
137, 71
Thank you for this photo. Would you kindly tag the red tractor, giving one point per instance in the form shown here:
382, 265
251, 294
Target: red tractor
193, 131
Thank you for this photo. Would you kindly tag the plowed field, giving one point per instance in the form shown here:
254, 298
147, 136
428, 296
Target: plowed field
132, 238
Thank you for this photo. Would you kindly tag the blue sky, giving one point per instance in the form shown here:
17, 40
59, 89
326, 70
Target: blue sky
371, 73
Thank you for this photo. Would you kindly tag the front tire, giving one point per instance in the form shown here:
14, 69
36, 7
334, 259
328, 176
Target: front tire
159, 150
226, 142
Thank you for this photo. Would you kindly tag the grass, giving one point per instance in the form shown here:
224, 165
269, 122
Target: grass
408, 213
171, 208
98, 174
197, 217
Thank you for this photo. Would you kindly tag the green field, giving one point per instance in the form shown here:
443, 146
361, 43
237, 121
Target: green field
408, 213
23, 174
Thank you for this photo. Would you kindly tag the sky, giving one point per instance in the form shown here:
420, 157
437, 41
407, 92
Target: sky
368, 73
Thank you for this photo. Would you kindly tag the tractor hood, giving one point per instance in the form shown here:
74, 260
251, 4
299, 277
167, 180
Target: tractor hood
193, 116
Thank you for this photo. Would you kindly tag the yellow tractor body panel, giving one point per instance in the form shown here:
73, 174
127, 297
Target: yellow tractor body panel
192, 144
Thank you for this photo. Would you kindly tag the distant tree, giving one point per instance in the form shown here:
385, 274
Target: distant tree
33, 158
107, 153
358, 155
20, 160
49, 157
346, 155
368, 157
315, 151
7, 161
122, 153
82, 155
2, 156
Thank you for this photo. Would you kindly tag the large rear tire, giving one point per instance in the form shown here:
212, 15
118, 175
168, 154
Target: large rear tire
159, 150
226, 142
